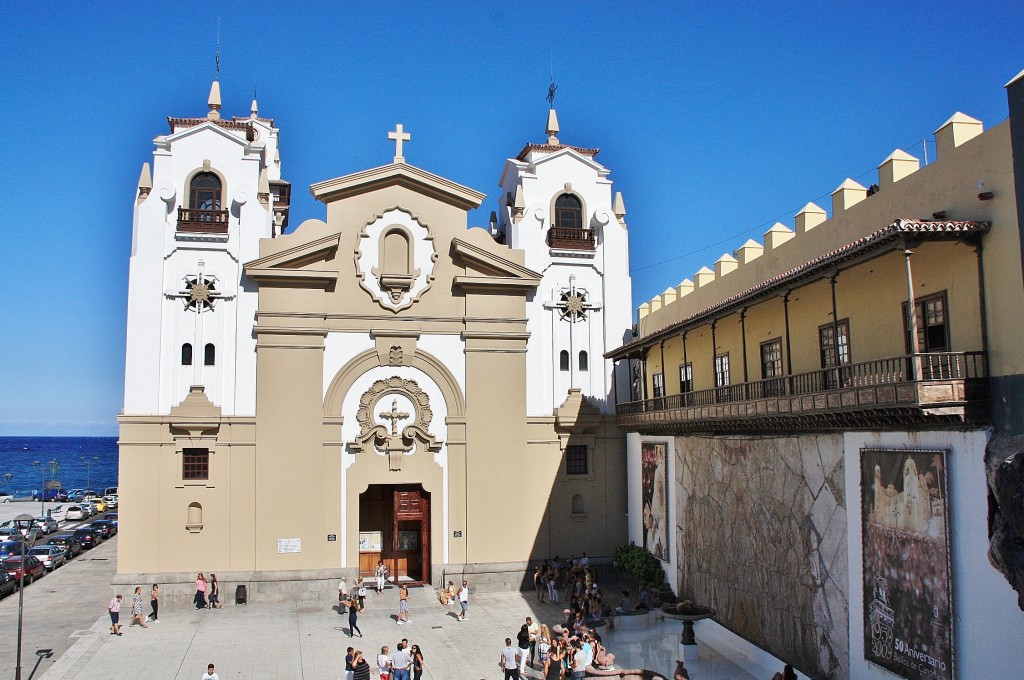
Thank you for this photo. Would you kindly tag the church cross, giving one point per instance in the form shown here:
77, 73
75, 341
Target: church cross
394, 415
398, 136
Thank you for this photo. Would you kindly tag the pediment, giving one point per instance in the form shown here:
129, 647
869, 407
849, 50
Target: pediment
490, 269
208, 126
397, 174
293, 264
575, 155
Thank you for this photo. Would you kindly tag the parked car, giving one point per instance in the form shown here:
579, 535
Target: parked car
76, 495
47, 495
110, 491
33, 567
8, 548
97, 501
71, 546
76, 512
104, 531
7, 584
112, 516
111, 501
109, 525
47, 525
5, 497
89, 507
10, 534
51, 556
87, 537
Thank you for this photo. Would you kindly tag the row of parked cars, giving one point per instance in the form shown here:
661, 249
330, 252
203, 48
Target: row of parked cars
40, 558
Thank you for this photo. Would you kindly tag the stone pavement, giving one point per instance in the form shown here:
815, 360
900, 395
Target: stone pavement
264, 641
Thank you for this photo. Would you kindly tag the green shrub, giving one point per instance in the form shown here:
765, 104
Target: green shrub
644, 567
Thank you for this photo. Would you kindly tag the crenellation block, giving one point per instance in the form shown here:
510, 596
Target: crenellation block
655, 303
777, 235
750, 250
668, 297
848, 194
685, 287
643, 310
898, 165
958, 129
808, 218
703, 277
725, 264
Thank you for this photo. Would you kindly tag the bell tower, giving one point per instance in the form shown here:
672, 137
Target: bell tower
212, 191
557, 205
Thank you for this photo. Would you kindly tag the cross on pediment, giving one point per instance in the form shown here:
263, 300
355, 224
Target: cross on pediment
394, 415
398, 136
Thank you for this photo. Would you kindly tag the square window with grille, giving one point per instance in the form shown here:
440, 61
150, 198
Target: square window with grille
195, 464
576, 459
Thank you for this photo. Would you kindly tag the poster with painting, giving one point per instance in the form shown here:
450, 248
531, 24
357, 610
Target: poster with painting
908, 617
654, 495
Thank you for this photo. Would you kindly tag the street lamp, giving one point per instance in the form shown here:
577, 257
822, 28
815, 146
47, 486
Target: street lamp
42, 486
7, 478
22, 522
89, 462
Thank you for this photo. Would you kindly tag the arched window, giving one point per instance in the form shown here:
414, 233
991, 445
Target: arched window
584, 361
209, 354
186, 354
577, 505
563, 360
204, 193
568, 212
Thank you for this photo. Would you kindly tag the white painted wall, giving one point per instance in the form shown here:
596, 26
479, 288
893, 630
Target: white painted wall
988, 625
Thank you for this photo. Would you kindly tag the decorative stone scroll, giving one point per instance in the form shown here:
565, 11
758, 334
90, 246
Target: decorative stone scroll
390, 439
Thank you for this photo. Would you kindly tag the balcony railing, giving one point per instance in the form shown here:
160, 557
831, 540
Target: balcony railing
934, 382
571, 239
203, 221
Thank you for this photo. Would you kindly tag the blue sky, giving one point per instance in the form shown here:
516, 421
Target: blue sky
716, 119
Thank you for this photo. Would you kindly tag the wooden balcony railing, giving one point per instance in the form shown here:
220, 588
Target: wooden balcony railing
935, 381
203, 221
571, 239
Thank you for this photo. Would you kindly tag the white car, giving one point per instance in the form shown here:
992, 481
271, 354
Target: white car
47, 525
50, 555
76, 512
110, 500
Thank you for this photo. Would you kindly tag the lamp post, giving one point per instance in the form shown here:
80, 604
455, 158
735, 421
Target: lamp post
21, 522
89, 462
7, 478
42, 487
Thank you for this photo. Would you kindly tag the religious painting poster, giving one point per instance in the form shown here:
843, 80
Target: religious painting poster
654, 494
908, 613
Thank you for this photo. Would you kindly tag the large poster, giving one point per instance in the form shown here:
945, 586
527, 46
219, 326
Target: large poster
654, 494
908, 628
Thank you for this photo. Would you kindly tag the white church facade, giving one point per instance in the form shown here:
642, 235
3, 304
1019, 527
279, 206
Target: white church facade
381, 384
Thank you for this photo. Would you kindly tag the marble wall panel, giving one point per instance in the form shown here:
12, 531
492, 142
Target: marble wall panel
762, 538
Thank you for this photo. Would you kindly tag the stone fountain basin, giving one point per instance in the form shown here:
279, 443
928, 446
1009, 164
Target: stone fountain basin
695, 613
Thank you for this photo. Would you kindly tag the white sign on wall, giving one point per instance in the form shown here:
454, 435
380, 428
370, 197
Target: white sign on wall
289, 545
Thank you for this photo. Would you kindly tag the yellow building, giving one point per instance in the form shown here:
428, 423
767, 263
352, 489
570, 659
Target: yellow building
834, 387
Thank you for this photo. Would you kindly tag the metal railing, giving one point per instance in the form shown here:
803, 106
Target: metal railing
930, 366
572, 239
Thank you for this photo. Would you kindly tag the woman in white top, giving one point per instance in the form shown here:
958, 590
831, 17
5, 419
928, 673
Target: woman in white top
384, 663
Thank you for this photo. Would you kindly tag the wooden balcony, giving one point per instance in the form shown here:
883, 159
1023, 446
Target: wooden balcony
203, 221
571, 239
939, 388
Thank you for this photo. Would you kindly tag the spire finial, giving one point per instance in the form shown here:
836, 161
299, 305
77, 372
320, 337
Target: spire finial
216, 75
255, 109
214, 100
552, 127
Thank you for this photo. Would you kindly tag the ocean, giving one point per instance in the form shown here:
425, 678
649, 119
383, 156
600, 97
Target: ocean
17, 455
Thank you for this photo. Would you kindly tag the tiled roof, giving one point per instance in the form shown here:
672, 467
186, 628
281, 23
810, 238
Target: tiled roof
926, 230
555, 147
192, 122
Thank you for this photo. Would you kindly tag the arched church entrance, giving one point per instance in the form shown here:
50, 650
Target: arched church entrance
394, 527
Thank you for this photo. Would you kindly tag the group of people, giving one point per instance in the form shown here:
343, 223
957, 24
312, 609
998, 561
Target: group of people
561, 653
574, 581
207, 592
114, 609
405, 663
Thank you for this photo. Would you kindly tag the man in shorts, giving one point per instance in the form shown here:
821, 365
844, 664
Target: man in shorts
114, 608
464, 600
403, 604
342, 594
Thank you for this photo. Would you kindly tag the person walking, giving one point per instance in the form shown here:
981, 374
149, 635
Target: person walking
214, 593
523, 640
342, 594
362, 595
200, 591
353, 615
114, 609
137, 608
360, 667
154, 603
403, 604
210, 673
381, 574
401, 663
539, 583
509, 661
417, 663
464, 600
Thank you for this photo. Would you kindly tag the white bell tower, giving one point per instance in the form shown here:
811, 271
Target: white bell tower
557, 205
213, 191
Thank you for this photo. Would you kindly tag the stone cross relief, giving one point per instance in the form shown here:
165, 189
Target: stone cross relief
395, 446
199, 295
